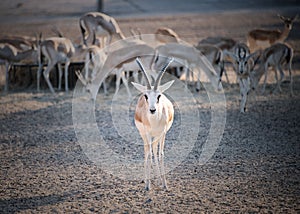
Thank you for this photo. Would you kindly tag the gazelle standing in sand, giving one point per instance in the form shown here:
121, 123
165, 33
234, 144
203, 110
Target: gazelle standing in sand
240, 51
153, 117
57, 50
276, 56
243, 67
101, 25
259, 39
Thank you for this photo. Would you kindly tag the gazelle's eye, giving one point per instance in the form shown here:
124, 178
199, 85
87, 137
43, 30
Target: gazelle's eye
158, 98
146, 97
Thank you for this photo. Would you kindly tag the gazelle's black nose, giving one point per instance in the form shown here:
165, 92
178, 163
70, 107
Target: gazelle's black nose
152, 111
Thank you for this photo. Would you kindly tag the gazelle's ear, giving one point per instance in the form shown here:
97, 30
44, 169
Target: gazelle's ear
231, 55
165, 86
281, 17
295, 18
139, 87
251, 55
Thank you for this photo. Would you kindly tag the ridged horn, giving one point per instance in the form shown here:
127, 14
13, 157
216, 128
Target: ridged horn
144, 72
158, 79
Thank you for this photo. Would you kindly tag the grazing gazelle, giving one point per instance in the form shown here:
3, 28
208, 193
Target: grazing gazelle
260, 38
153, 117
11, 54
277, 56
101, 25
215, 57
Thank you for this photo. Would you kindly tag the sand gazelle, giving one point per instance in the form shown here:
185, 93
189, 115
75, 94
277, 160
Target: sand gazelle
153, 117
241, 51
11, 54
276, 56
215, 57
57, 50
244, 65
262, 38
101, 25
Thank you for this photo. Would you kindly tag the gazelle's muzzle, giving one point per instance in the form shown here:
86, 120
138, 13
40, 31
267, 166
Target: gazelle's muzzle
152, 110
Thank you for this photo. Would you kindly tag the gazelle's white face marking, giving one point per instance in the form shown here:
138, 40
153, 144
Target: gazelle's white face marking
152, 98
242, 65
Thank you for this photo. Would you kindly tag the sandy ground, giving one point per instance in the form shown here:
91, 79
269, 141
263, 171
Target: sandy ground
255, 168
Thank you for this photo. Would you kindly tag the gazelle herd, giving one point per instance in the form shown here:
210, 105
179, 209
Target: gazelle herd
154, 112
99, 30
267, 48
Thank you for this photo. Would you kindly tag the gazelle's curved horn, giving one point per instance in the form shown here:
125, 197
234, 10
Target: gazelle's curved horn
144, 72
158, 79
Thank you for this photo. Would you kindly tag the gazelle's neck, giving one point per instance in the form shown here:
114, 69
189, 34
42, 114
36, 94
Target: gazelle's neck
284, 34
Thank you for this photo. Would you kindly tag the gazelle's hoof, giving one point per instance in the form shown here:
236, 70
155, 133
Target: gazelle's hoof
147, 186
165, 187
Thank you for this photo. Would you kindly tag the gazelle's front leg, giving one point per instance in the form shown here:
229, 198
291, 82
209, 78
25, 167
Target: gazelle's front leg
156, 161
147, 160
244, 89
7, 67
161, 160
291, 78
39, 72
265, 80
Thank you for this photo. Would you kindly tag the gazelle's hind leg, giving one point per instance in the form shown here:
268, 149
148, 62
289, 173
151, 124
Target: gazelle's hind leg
291, 78
265, 80
118, 79
59, 75
278, 82
66, 75
46, 75
7, 67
